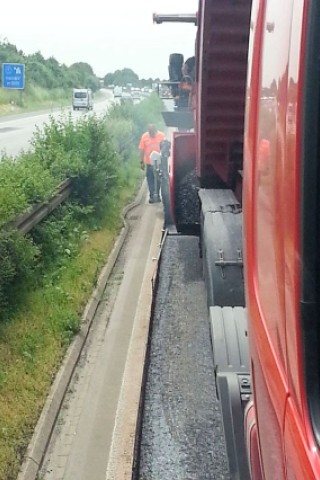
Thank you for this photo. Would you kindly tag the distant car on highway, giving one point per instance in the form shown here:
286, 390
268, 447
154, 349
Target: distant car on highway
126, 98
117, 91
136, 94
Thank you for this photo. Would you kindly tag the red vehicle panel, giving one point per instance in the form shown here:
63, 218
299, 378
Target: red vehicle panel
301, 451
272, 224
277, 118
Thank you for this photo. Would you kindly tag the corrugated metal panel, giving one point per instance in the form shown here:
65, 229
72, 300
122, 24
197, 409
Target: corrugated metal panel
222, 44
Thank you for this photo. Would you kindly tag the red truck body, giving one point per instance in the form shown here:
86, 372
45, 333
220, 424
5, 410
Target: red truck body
221, 53
275, 115
257, 121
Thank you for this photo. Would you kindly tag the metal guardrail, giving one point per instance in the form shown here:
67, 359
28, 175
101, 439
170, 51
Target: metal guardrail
25, 222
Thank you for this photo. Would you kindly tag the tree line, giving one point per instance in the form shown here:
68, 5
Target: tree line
48, 73
127, 76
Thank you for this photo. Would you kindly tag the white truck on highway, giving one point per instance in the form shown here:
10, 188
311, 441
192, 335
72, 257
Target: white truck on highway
82, 98
117, 91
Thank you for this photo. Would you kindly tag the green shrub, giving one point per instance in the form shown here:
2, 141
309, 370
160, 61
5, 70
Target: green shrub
18, 258
83, 151
148, 111
60, 235
22, 183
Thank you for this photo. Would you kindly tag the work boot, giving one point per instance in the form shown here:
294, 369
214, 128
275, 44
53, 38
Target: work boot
151, 199
157, 198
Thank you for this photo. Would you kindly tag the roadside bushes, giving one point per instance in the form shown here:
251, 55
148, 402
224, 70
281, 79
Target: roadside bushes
22, 183
148, 112
83, 152
100, 156
126, 123
140, 115
47, 276
63, 149
18, 255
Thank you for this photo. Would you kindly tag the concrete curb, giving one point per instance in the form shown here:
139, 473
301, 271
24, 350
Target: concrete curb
122, 448
43, 430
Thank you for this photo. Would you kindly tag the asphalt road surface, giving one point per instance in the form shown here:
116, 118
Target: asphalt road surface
182, 431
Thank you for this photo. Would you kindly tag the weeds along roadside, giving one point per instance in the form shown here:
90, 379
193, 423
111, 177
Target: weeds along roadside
47, 277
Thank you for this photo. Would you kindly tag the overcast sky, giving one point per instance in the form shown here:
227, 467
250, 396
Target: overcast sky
107, 34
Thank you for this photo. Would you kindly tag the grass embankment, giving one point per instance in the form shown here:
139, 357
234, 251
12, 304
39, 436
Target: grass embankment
36, 98
34, 340
48, 277
33, 98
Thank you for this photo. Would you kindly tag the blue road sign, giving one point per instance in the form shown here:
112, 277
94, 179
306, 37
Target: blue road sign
13, 75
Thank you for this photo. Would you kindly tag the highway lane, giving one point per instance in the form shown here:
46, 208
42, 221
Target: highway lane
16, 131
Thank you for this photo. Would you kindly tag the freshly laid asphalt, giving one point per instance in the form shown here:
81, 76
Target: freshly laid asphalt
182, 433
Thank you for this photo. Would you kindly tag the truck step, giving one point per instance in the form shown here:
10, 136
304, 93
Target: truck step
233, 383
221, 247
218, 200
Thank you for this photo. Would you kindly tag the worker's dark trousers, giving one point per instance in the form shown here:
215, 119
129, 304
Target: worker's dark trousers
150, 174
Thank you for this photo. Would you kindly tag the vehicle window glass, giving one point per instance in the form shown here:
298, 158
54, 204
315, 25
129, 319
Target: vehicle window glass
310, 218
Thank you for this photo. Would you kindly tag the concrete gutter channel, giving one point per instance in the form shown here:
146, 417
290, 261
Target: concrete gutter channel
122, 448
